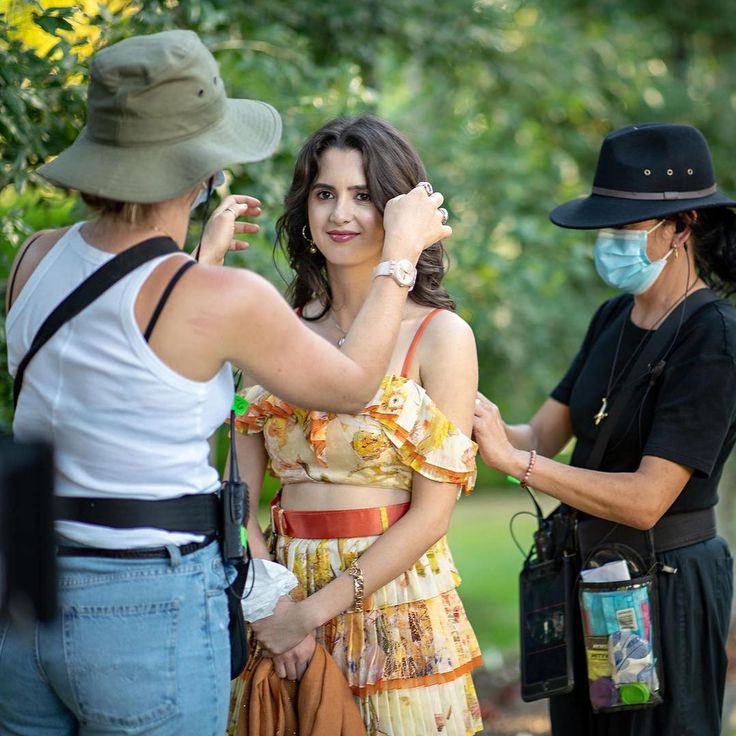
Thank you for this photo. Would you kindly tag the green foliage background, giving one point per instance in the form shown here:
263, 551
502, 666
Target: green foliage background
507, 101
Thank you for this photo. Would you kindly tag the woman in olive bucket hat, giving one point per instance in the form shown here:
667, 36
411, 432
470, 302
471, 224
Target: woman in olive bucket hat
667, 239
141, 641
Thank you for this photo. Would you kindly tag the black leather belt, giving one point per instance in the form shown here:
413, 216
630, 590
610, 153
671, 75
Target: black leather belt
196, 513
670, 532
146, 553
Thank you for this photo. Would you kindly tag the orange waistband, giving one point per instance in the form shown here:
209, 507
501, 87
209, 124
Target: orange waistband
335, 524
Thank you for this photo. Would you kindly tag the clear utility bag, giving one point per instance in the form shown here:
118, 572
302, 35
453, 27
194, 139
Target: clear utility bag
620, 616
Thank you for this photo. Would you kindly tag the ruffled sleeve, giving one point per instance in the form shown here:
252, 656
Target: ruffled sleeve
425, 439
261, 406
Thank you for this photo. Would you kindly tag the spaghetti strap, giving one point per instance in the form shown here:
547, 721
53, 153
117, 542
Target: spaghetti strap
11, 296
415, 341
165, 297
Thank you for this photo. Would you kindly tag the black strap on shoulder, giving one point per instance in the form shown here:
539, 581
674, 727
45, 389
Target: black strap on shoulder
89, 290
17, 267
165, 297
651, 362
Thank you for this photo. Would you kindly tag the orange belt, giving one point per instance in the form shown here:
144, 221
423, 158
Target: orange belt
334, 524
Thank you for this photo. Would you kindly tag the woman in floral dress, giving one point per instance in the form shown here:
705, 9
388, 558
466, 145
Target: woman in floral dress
366, 499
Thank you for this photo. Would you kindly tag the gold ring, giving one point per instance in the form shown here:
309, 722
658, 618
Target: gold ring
427, 187
444, 214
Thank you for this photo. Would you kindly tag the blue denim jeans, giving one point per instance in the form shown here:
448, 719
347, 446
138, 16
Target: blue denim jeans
138, 647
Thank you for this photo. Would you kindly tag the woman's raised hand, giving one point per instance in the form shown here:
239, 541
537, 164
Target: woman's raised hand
413, 222
224, 224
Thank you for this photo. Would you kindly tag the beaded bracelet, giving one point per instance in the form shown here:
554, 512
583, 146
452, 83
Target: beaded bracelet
357, 575
525, 478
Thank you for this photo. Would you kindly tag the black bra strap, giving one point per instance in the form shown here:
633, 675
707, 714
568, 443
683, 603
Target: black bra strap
165, 297
17, 268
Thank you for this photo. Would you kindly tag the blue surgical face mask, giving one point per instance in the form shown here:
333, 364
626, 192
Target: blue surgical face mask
219, 180
622, 262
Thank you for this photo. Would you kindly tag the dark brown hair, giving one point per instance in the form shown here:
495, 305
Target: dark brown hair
392, 167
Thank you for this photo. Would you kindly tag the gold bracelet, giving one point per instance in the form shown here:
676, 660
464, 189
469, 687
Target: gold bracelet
357, 575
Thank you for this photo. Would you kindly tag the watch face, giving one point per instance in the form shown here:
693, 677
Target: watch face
404, 272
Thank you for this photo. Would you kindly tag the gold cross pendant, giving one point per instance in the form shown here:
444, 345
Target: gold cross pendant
602, 413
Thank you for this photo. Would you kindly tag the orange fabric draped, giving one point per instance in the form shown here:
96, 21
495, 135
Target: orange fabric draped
320, 704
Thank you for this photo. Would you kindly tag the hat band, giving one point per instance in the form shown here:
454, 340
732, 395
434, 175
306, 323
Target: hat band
695, 194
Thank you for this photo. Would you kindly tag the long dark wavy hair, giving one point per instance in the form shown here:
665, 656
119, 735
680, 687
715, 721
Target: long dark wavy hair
392, 167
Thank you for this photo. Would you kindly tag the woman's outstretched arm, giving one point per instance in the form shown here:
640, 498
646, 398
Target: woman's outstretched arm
637, 499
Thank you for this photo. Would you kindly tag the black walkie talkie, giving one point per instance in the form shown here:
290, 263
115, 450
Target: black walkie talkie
234, 504
543, 541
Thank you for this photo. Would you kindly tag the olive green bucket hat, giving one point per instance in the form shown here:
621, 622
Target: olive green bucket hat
159, 122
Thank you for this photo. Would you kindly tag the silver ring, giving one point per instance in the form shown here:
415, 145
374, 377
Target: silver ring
444, 214
232, 211
427, 187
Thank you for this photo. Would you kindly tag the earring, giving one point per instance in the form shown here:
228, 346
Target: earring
312, 247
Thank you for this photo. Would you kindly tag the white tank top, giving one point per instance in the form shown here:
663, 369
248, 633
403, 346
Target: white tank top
123, 424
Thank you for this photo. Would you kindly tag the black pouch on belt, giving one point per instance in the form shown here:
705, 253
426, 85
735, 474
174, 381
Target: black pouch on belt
546, 603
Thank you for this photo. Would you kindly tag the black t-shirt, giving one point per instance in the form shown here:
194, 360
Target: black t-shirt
688, 416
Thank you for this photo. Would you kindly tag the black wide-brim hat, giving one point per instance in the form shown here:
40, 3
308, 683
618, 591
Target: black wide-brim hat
646, 172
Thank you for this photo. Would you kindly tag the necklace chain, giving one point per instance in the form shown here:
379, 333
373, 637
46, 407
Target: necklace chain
613, 377
157, 229
341, 339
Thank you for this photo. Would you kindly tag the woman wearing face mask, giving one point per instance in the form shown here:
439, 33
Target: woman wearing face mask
665, 235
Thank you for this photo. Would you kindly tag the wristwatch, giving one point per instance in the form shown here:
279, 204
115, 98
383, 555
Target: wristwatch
403, 272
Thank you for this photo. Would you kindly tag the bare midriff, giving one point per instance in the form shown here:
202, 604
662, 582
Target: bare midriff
311, 496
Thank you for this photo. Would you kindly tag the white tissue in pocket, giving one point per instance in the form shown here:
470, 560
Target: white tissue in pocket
267, 582
611, 572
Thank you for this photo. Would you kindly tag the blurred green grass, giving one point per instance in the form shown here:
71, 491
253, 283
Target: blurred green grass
489, 562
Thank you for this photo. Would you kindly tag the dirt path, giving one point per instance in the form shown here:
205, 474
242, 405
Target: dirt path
506, 714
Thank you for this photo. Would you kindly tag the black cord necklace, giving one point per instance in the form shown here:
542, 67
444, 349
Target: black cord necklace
614, 377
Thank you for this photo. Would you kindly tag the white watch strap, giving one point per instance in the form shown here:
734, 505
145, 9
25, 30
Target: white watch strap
384, 268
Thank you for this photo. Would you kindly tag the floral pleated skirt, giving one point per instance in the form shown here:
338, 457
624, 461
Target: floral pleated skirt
407, 657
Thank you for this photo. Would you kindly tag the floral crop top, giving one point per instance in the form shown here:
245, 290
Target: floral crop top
400, 431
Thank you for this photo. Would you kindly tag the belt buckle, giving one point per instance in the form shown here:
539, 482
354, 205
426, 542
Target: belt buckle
277, 520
